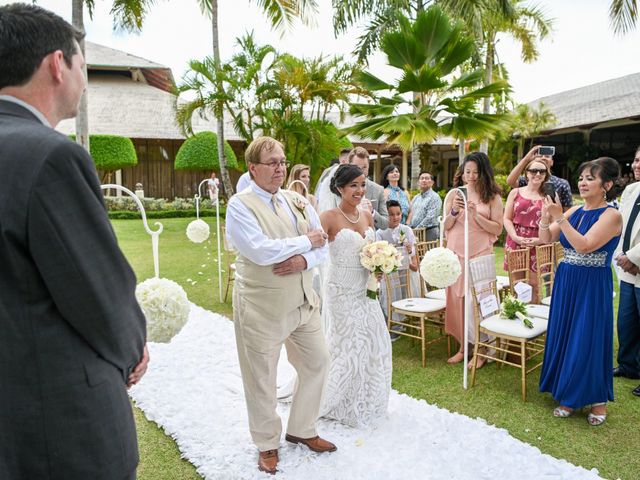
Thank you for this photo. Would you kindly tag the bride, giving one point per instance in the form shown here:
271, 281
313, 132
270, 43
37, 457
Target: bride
359, 381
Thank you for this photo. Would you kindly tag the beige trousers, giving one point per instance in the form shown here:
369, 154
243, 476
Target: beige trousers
259, 338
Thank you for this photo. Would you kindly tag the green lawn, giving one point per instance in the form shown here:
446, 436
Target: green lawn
612, 448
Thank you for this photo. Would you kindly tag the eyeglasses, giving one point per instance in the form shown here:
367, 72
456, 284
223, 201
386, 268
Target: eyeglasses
274, 165
536, 171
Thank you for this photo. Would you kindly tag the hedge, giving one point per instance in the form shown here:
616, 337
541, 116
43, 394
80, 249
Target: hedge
128, 215
111, 152
200, 152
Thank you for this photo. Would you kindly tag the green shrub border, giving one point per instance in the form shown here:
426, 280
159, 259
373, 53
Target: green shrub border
128, 215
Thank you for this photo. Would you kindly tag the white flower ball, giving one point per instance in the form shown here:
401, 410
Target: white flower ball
440, 267
198, 231
165, 306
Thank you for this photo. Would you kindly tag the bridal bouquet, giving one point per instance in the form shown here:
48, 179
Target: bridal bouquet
379, 257
165, 306
513, 308
198, 231
440, 267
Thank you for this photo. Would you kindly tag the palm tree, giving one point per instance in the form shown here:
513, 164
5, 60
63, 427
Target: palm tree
280, 13
623, 15
127, 14
429, 54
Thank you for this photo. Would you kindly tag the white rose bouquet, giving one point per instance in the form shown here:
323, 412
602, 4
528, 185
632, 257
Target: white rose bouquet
379, 257
165, 306
440, 267
198, 231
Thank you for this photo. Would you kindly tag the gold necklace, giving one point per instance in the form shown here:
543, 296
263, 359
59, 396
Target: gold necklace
348, 219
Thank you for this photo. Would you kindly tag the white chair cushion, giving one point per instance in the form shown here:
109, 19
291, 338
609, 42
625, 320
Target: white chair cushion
419, 305
514, 328
546, 300
440, 294
540, 311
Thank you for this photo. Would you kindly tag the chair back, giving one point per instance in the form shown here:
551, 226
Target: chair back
482, 276
421, 249
518, 267
558, 253
420, 234
398, 286
546, 260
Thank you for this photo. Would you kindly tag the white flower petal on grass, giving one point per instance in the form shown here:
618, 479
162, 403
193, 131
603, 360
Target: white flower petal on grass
165, 306
198, 231
440, 267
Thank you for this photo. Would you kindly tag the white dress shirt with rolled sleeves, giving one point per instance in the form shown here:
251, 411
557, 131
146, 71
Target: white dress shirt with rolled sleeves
244, 232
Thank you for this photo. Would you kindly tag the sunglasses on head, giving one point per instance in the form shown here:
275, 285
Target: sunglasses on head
534, 171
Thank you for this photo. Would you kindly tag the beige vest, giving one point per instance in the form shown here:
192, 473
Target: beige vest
275, 295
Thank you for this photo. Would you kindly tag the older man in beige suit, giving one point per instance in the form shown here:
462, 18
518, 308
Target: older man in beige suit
279, 239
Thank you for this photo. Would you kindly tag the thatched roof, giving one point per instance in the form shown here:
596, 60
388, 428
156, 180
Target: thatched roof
587, 107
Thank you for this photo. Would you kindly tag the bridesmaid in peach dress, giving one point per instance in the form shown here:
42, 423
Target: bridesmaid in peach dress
485, 224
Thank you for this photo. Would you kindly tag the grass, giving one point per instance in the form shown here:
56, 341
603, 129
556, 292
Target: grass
612, 448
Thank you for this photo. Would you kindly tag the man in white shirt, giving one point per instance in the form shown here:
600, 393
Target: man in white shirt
279, 239
243, 182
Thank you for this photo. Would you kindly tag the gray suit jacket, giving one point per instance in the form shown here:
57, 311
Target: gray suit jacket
70, 327
375, 193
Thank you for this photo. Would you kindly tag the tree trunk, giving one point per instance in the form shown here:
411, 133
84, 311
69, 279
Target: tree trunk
224, 174
415, 152
461, 152
82, 119
488, 77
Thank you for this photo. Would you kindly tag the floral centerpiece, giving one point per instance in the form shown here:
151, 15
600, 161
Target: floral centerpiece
379, 257
440, 267
165, 306
198, 231
513, 308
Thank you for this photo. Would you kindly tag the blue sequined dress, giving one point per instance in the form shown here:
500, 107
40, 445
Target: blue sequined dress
578, 357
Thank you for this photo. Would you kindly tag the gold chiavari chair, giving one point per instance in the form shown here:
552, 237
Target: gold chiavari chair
558, 253
546, 260
518, 268
412, 315
420, 234
502, 335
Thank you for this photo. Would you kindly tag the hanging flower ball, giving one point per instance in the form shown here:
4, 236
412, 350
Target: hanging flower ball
198, 231
440, 267
165, 306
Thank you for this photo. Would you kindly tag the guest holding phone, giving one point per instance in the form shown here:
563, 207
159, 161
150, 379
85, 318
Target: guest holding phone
578, 356
522, 215
485, 224
560, 185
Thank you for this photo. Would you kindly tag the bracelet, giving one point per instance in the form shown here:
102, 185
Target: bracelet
560, 220
454, 214
543, 226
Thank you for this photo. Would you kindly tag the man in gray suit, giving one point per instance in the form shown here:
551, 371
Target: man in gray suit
72, 336
374, 193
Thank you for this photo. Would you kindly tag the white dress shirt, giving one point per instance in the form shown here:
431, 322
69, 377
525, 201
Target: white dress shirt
245, 233
243, 182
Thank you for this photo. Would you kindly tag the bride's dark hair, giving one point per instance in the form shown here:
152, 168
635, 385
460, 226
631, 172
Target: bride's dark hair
344, 175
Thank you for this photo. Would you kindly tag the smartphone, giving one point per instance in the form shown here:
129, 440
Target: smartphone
547, 151
548, 189
462, 191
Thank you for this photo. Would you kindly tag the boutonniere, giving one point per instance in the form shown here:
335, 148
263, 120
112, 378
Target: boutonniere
301, 204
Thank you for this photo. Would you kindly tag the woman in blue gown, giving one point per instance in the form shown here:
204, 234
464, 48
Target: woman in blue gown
578, 357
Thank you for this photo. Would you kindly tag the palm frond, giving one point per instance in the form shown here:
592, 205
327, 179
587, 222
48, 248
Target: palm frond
623, 15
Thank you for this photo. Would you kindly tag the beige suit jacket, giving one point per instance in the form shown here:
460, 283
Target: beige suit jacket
627, 201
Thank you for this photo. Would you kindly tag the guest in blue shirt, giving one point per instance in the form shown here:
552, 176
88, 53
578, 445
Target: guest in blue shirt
426, 208
392, 191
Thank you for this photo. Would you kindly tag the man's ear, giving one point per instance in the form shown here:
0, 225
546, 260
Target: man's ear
55, 64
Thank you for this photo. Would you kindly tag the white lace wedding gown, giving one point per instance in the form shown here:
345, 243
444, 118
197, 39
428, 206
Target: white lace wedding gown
359, 381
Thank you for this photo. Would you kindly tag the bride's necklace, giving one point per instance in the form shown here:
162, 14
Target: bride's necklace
348, 219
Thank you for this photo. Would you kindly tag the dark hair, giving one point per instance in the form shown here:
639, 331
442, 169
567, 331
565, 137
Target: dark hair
487, 186
28, 34
393, 203
423, 172
334, 161
345, 151
385, 173
344, 175
608, 170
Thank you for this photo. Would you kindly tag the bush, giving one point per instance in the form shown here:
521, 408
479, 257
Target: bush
111, 152
501, 180
200, 152
129, 215
126, 203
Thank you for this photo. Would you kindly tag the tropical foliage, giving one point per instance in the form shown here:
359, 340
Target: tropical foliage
429, 54
268, 93
200, 152
111, 153
623, 15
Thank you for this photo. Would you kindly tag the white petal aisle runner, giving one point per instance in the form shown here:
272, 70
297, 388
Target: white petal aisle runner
194, 391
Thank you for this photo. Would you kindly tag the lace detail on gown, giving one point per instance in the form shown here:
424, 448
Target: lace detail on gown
359, 381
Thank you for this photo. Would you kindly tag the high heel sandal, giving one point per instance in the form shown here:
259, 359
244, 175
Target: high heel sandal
562, 412
594, 419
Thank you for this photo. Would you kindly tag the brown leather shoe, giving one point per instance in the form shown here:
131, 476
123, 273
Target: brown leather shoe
315, 444
268, 461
